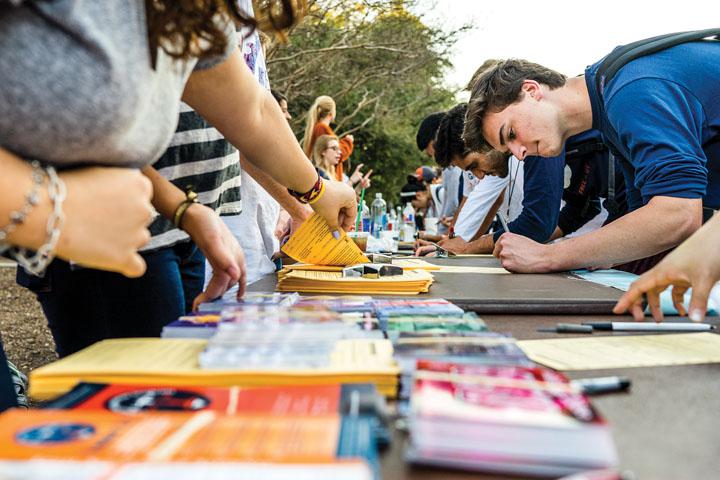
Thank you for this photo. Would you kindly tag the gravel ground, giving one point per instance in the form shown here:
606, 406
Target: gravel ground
27, 340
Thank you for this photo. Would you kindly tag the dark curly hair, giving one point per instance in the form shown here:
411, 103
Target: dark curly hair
428, 128
495, 88
448, 141
190, 28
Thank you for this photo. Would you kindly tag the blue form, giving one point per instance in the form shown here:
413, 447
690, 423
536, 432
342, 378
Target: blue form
622, 280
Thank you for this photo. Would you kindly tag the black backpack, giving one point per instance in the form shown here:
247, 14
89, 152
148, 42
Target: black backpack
621, 56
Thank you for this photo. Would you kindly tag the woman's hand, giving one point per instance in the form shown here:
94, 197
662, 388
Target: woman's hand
365, 181
221, 249
357, 175
107, 212
695, 263
282, 227
337, 206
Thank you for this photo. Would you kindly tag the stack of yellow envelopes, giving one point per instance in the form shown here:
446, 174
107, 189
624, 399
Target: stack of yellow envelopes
411, 282
404, 263
175, 362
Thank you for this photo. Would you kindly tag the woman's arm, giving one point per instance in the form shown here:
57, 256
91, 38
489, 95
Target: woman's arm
106, 211
209, 233
248, 116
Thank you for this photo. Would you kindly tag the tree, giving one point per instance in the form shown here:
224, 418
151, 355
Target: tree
384, 68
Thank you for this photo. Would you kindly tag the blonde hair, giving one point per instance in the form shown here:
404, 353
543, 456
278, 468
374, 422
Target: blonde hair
321, 144
322, 106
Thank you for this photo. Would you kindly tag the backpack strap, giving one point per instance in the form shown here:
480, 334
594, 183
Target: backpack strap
627, 53
621, 56
585, 148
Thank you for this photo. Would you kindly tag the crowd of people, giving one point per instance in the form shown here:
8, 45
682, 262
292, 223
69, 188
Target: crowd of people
127, 207
617, 167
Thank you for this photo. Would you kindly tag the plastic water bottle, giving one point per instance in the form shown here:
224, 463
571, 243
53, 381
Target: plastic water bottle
365, 217
407, 234
377, 210
392, 220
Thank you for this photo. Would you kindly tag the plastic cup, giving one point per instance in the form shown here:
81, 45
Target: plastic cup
360, 239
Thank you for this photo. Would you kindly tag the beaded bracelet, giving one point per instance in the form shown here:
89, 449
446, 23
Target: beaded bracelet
312, 195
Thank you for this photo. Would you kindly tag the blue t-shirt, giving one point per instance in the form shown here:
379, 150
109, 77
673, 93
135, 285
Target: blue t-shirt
542, 192
661, 113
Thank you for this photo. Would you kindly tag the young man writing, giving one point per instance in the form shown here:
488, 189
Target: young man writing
659, 113
541, 191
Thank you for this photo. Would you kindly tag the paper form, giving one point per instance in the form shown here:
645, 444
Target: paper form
624, 351
313, 243
405, 264
464, 269
622, 281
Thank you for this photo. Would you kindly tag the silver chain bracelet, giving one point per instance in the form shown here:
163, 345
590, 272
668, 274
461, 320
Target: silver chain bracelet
32, 198
36, 263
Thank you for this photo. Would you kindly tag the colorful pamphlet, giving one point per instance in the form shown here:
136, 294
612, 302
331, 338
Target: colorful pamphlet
346, 399
205, 436
505, 419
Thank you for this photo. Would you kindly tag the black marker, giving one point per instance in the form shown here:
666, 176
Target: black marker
595, 386
568, 328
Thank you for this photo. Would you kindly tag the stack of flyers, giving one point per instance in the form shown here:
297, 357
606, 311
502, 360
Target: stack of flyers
432, 324
259, 315
340, 304
527, 421
406, 306
259, 337
192, 326
273, 299
485, 348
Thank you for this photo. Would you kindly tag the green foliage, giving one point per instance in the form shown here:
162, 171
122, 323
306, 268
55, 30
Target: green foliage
384, 68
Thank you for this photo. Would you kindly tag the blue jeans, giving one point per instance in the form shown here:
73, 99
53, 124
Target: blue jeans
8, 398
84, 306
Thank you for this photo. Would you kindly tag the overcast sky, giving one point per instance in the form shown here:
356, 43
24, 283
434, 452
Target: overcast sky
561, 34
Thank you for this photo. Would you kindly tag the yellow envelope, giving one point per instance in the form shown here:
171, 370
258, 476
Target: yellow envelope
313, 243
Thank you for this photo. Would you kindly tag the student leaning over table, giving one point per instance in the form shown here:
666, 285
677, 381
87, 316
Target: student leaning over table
660, 112
452, 178
695, 263
541, 191
127, 121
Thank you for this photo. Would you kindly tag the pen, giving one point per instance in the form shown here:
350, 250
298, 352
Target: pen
503, 221
440, 250
594, 386
650, 326
568, 328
